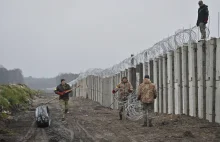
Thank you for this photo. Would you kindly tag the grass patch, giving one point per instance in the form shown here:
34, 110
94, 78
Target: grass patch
14, 97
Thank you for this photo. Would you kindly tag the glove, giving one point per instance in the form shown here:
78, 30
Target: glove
139, 97
155, 96
129, 91
206, 20
113, 91
60, 93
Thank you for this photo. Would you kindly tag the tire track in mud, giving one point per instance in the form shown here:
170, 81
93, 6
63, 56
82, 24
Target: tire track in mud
56, 132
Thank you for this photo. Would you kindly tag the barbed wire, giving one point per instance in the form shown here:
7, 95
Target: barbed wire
170, 43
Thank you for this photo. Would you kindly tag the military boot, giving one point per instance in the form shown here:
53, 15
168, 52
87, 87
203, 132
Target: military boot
145, 123
150, 123
120, 116
66, 111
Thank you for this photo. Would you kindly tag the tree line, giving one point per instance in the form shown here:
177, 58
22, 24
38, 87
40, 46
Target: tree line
13, 76
42, 83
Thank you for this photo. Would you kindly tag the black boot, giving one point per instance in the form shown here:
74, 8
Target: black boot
150, 123
145, 123
120, 116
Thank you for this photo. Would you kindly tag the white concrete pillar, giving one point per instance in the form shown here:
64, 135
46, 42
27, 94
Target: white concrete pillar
160, 65
165, 85
201, 61
92, 87
217, 93
210, 79
132, 76
151, 70
97, 88
185, 79
170, 71
137, 76
106, 99
126, 73
178, 80
145, 68
100, 87
111, 87
193, 84
156, 82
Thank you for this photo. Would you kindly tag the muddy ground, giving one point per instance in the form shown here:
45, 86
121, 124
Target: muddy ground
90, 122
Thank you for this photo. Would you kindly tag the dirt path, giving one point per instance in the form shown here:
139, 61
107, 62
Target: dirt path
90, 122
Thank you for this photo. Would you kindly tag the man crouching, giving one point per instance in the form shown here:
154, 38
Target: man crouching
146, 94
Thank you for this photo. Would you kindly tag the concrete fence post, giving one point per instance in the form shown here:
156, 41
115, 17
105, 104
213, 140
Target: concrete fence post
160, 65
210, 79
165, 85
132, 77
217, 78
156, 82
178, 81
141, 66
185, 79
101, 91
126, 73
193, 83
137, 76
201, 62
151, 70
111, 87
170, 71
145, 68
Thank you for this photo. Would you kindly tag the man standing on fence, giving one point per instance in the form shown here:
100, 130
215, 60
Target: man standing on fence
124, 89
146, 94
63, 90
203, 14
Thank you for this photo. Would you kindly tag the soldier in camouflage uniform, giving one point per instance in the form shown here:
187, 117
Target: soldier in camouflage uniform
203, 14
124, 89
63, 90
146, 94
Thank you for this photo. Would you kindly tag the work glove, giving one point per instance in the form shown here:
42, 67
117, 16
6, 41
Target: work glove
113, 91
130, 91
206, 20
60, 93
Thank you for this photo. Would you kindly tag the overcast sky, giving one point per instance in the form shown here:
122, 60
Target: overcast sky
46, 37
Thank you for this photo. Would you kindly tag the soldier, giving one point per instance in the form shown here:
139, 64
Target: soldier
146, 94
124, 89
203, 14
63, 90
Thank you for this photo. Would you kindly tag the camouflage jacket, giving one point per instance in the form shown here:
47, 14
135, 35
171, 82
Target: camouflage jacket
147, 91
123, 89
61, 88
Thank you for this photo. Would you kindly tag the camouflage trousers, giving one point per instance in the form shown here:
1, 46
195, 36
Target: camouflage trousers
121, 104
202, 28
148, 111
64, 106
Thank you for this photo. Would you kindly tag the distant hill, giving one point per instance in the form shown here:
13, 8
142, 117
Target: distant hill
42, 83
